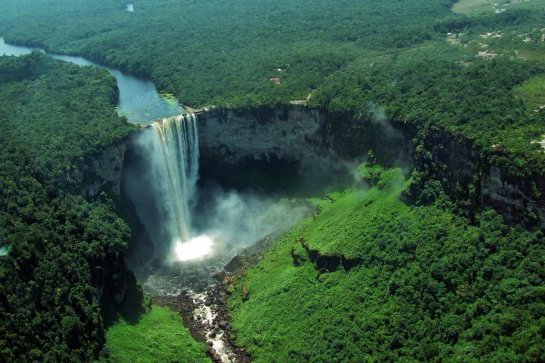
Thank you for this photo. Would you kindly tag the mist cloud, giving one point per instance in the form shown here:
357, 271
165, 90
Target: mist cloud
237, 220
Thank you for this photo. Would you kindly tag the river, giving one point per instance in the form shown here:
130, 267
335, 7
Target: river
139, 100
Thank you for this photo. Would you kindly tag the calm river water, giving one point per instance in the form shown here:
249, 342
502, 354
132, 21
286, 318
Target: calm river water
139, 100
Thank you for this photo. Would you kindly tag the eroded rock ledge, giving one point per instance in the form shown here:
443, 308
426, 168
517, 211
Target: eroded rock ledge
323, 263
268, 143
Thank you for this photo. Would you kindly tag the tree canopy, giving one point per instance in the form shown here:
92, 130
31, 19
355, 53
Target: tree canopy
62, 252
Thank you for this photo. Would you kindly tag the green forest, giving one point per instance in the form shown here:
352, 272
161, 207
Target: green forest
60, 247
344, 56
426, 284
405, 265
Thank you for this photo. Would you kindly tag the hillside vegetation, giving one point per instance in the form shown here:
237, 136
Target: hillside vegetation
58, 248
413, 283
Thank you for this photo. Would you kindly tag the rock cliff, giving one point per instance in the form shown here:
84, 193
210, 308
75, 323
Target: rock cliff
476, 179
274, 147
261, 134
269, 142
98, 172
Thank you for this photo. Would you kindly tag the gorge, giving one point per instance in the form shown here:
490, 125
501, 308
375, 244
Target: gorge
211, 198
266, 141
158, 182
240, 149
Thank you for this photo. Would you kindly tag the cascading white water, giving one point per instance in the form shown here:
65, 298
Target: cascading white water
171, 148
159, 178
175, 170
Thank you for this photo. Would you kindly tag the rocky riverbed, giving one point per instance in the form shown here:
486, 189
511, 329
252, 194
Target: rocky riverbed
199, 292
206, 316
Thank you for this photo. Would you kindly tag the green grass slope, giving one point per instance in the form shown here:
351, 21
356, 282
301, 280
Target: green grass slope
428, 286
159, 336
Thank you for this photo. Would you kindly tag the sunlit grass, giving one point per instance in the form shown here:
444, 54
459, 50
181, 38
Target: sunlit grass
472, 6
533, 92
159, 336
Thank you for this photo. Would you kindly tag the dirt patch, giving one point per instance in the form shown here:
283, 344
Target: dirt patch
541, 143
487, 55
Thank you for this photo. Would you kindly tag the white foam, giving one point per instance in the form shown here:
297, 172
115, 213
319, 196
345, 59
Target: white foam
194, 249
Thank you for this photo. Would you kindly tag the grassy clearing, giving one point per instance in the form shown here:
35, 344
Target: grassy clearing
532, 55
159, 336
424, 289
473, 6
532, 92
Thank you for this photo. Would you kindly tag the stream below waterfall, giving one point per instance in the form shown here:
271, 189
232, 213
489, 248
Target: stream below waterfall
192, 248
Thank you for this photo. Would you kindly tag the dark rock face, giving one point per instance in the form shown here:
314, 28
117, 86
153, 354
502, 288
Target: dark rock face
518, 199
268, 145
470, 175
98, 172
262, 148
279, 147
290, 133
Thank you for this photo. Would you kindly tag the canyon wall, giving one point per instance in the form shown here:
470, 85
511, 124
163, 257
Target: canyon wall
98, 172
273, 147
478, 180
281, 139
116, 286
261, 133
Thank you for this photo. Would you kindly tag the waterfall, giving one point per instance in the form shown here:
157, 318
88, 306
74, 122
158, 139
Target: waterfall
175, 168
161, 182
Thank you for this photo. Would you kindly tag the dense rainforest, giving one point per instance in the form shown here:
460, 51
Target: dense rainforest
59, 249
416, 61
396, 268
